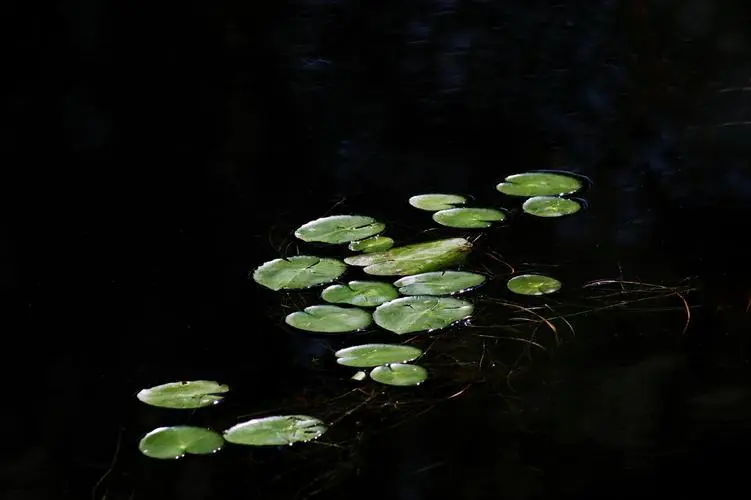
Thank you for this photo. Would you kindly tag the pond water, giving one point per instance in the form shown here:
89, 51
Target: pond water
199, 139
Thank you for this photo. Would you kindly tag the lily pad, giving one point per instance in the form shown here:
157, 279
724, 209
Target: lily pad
439, 283
550, 206
302, 271
329, 319
276, 431
369, 355
533, 284
468, 218
539, 184
413, 259
399, 374
436, 202
416, 314
372, 244
360, 293
339, 229
184, 395
175, 442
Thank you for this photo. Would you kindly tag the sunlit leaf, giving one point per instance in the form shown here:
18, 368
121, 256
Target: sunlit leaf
276, 431
436, 202
468, 218
413, 259
302, 271
372, 244
533, 284
550, 206
438, 283
539, 184
399, 374
329, 319
339, 229
175, 442
421, 313
369, 355
184, 395
360, 293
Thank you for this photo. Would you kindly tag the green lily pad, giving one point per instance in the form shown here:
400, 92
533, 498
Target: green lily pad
416, 314
360, 293
329, 319
436, 202
413, 259
184, 395
339, 229
372, 244
438, 283
468, 218
550, 206
539, 184
369, 355
533, 284
175, 442
276, 431
302, 271
399, 374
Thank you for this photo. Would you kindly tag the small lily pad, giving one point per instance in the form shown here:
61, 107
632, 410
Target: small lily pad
184, 395
533, 284
413, 259
276, 431
420, 313
436, 202
439, 283
360, 293
329, 319
539, 184
399, 374
468, 218
339, 229
175, 442
369, 355
302, 271
550, 206
372, 244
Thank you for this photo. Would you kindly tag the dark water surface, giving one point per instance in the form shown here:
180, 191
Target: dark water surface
164, 152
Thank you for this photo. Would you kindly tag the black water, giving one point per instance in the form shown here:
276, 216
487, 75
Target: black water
157, 154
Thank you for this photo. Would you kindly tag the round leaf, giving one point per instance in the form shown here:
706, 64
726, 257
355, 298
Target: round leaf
329, 319
302, 271
339, 229
550, 206
360, 293
436, 202
399, 374
438, 283
416, 314
184, 395
533, 284
276, 431
372, 244
468, 218
369, 355
175, 442
539, 184
413, 259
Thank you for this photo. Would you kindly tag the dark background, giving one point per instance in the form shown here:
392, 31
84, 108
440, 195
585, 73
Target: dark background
155, 152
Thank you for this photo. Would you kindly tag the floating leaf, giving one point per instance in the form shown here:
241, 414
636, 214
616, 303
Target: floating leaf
539, 184
184, 395
175, 442
276, 431
359, 376
399, 374
339, 229
413, 259
372, 244
415, 314
302, 271
329, 319
436, 202
360, 293
369, 355
438, 283
533, 284
550, 206
468, 218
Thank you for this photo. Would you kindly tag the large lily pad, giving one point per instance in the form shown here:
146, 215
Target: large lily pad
339, 229
550, 206
539, 184
533, 284
184, 395
360, 293
276, 431
468, 218
436, 202
370, 355
372, 244
413, 259
175, 442
439, 283
301, 271
329, 319
421, 313
399, 374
